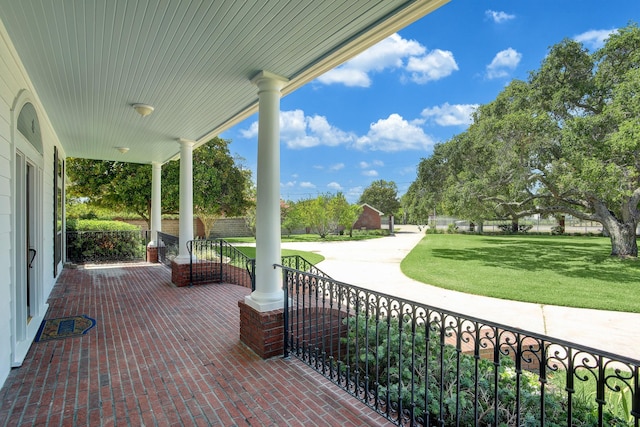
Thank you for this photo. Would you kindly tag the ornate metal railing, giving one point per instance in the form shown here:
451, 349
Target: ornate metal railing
297, 262
218, 261
167, 248
420, 365
106, 246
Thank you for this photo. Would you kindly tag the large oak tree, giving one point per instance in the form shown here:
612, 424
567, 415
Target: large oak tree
566, 141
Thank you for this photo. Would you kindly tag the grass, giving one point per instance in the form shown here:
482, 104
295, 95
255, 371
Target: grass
357, 235
312, 257
569, 271
617, 394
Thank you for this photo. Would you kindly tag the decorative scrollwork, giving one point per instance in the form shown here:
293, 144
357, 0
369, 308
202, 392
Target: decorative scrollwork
420, 365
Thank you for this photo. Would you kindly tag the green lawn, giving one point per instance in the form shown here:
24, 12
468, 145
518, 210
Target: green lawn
357, 235
558, 270
312, 257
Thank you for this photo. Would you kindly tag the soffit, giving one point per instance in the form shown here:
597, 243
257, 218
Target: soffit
90, 60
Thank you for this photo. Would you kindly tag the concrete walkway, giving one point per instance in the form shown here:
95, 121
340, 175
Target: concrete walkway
375, 264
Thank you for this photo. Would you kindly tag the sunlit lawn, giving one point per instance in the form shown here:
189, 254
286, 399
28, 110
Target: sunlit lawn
357, 235
558, 270
312, 257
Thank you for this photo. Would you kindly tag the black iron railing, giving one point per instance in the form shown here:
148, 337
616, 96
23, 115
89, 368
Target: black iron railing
218, 261
297, 262
167, 248
106, 246
423, 366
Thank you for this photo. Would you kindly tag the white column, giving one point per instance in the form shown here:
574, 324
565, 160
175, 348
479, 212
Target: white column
268, 294
186, 198
156, 202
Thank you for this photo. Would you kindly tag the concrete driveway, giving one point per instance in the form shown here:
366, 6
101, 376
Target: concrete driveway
375, 264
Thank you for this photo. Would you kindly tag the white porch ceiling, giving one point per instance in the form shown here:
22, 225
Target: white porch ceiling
90, 60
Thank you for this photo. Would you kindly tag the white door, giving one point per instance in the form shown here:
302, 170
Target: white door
29, 307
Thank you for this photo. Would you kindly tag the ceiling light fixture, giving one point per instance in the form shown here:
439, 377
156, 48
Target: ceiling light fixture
143, 109
122, 149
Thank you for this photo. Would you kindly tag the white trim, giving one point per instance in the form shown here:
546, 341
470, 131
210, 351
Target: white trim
25, 325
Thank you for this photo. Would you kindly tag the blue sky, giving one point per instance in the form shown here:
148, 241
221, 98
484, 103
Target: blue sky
378, 115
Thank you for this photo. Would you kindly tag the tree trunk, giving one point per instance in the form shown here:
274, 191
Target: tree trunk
621, 232
208, 221
623, 240
514, 225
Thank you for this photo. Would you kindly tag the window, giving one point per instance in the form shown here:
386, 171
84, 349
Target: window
58, 209
29, 126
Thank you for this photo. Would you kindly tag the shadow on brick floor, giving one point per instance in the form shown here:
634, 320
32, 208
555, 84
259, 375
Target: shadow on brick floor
163, 356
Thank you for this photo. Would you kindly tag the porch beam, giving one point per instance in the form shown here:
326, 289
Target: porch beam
268, 294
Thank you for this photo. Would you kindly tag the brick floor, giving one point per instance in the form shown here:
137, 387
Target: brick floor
163, 356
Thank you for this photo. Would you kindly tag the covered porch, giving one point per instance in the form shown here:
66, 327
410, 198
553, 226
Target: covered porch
161, 355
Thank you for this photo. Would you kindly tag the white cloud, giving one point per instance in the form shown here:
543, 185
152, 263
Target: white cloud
370, 173
394, 134
298, 130
334, 186
389, 53
504, 62
347, 76
451, 115
252, 132
336, 167
327, 134
499, 17
594, 39
394, 52
354, 193
288, 184
307, 184
435, 65
365, 165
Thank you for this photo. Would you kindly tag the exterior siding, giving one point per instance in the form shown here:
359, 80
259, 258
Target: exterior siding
6, 253
13, 80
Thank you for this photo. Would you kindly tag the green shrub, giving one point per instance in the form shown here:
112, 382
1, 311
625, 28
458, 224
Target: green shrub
100, 240
99, 225
376, 232
432, 229
425, 367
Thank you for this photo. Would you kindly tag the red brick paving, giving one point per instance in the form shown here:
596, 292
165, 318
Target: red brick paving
163, 356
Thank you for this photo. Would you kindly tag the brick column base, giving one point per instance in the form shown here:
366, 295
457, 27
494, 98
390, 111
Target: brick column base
180, 273
262, 332
152, 254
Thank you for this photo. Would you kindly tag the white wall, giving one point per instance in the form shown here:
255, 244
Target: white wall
13, 80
